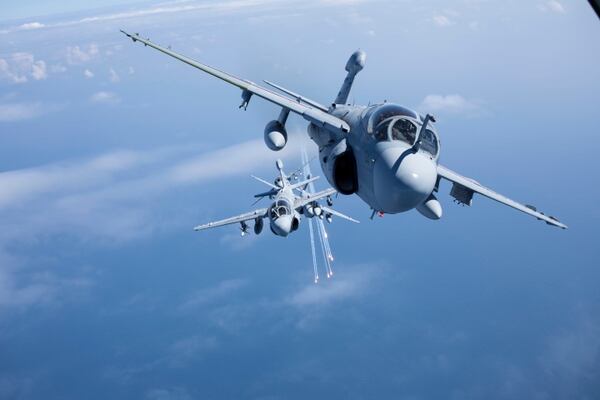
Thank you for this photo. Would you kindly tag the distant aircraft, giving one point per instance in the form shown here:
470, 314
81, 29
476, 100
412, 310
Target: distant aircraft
287, 206
386, 154
286, 209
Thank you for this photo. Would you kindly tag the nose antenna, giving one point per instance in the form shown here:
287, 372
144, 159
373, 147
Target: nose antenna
419, 140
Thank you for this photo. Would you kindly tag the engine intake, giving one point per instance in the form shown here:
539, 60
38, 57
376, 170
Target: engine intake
345, 174
339, 165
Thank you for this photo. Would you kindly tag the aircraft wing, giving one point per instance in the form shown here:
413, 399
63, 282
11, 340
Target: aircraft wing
301, 202
260, 213
463, 189
339, 214
310, 112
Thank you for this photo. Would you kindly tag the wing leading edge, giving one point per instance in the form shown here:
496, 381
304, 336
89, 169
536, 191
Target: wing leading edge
260, 213
301, 202
308, 112
463, 190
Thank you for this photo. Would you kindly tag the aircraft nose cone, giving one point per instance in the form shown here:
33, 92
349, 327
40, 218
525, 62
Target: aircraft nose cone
402, 179
282, 226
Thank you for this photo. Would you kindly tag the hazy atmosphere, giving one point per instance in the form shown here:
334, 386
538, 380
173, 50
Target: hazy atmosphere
111, 152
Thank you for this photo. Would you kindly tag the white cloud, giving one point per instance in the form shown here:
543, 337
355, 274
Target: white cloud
314, 301
80, 55
105, 98
21, 185
234, 240
19, 67
20, 111
31, 25
341, 2
114, 197
351, 283
180, 6
164, 8
21, 289
453, 103
88, 74
10, 112
555, 6
442, 20
113, 76
38, 70
219, 164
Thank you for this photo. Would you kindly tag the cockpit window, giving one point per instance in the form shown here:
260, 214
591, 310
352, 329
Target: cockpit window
429, 142
378, 114
381, 132
280, 208
404, 130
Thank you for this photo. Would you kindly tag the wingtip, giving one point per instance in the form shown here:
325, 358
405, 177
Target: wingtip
557, 223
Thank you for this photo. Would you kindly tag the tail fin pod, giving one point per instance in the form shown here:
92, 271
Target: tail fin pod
355, 64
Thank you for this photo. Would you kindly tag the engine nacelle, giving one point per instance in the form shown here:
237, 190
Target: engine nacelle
309, 210
275, 135
258, 225
339, 165
317, 210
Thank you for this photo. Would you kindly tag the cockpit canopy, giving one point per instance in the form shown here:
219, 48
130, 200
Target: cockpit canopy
280, 208
391, 122
378, 114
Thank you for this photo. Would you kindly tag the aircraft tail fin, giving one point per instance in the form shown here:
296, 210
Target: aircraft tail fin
355, 64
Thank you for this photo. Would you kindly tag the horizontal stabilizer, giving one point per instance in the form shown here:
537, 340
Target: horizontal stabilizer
303, 183
266, 182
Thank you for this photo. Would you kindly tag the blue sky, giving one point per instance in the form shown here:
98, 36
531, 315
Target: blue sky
110, 153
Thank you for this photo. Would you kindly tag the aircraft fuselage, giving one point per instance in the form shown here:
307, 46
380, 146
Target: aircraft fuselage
377, 160
283, 218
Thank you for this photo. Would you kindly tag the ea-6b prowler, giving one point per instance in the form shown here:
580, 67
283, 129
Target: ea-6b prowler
289, 201
386, 154
284, 213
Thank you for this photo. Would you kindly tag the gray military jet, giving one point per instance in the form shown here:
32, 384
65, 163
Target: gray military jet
386, 154
287, 206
